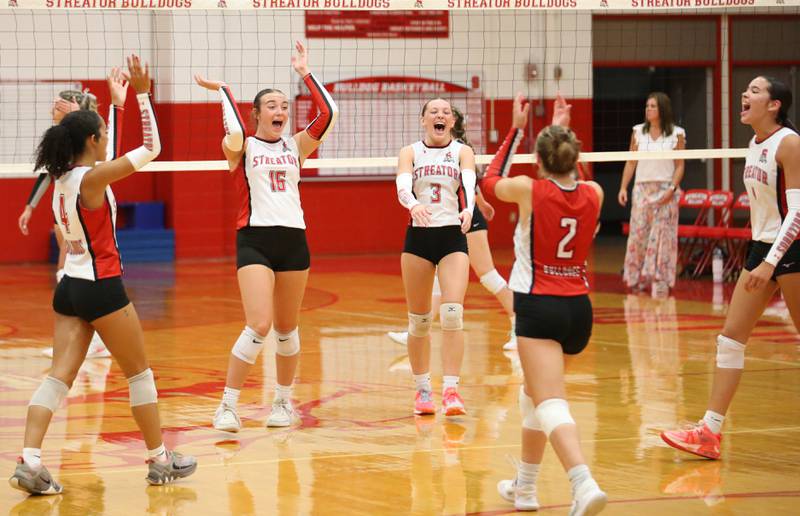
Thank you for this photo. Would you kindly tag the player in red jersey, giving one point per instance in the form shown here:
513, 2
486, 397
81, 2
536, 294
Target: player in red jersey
91, 296
557, 220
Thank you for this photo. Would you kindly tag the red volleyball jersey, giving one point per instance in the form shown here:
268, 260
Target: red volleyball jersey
551, 247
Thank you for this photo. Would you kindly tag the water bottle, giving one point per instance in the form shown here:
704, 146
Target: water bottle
717, 265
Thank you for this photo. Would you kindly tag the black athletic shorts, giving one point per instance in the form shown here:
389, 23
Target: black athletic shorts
757, 251
433, 244
89, 300
564, 319
478, 221
276, 247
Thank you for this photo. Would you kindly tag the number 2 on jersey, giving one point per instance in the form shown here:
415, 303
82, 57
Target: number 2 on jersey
436, 192
277, 180
572, 225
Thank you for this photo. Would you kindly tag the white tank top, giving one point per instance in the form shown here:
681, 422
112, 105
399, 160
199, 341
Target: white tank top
766, 186
437, 182
89, 235
655, 169
268, 181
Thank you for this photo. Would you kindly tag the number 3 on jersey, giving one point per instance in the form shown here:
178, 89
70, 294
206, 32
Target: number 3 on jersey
436, 192
572, 228
277, 180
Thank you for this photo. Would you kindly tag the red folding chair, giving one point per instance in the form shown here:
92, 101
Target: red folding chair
712, 236
688, 233
738, 237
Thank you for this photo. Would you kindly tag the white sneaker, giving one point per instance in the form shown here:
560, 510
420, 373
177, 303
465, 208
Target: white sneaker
523, 497
226, 419
401, 337
97, 349
511, 345
588, 499
282, 413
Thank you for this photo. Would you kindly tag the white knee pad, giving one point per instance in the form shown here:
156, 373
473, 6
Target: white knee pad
142, 388
730, 354
437, 289
419, 325
451, 316
287, 344
528, 411
553, 413
493, 281
248, 345
50, 394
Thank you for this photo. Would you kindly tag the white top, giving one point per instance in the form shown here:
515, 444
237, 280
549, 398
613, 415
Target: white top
272, 189
658, 169
766, 186
89, 235
437, 182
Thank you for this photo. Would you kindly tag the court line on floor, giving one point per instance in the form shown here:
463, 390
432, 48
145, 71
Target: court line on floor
720, 496
334, 456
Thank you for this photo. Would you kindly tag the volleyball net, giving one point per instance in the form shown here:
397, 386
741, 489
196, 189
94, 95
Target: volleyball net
382, 64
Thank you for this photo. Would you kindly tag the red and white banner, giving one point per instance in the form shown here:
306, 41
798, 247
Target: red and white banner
419, 24
396, 5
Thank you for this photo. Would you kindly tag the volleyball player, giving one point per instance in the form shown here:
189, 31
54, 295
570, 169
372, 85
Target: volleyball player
91, 296
272, 255
67, 102
772, 181
436, 183
557, 219
480, 256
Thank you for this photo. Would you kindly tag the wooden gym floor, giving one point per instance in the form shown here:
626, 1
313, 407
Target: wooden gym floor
358, 449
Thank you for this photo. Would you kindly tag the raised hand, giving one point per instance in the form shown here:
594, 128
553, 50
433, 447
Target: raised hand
208, 83
118, 86
300, 61
520, 111
561, 111
139, 73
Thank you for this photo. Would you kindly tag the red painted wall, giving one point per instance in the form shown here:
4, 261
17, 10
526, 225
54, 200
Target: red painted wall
342, 217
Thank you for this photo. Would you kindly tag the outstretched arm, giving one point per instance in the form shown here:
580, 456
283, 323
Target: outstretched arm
95, 181
496, 179
233, 142
118, 87
313, 135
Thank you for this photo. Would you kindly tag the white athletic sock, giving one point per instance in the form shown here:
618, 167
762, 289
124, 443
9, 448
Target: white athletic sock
230, 397
450, 381
283, 392
714, 421
578, 475
158, 454
423, 381
527, 473
33, 458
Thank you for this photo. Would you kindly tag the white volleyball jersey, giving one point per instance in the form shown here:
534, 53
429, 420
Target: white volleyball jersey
766, 186
268, 179
437, 182
89, 235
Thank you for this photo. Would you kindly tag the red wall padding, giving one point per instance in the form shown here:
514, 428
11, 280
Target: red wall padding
342, 217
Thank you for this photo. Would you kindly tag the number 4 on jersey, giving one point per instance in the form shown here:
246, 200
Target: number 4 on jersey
62, 213
572, 228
